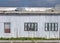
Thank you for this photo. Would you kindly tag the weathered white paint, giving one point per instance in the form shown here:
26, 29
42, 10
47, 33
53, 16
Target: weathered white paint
37, 9
17, 24
8, 8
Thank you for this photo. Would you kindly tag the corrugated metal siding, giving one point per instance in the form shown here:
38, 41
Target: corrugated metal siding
17, 24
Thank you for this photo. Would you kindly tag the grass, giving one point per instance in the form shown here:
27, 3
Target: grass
25, 38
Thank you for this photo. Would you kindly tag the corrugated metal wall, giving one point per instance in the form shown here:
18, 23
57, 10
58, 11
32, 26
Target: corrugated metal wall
17, 26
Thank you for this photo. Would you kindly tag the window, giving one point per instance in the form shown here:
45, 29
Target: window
30, 26
7, 27
51, 26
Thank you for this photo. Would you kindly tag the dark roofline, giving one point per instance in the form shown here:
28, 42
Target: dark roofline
29, 14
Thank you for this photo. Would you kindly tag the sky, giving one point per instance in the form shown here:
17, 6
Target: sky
29, 3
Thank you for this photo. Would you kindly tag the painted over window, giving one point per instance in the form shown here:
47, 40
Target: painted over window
7, 27
51, 26
30, 26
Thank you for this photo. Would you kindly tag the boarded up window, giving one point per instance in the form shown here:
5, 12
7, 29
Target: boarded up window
7, 27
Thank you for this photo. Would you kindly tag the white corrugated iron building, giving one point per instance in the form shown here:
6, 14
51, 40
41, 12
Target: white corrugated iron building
29, 22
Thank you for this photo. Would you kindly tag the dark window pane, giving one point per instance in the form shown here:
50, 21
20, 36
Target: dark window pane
51, 27
47, 26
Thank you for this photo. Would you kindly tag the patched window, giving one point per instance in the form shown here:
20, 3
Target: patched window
51, 26
30, 26
7, 27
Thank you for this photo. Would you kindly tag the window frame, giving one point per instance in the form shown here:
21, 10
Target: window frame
9, 27
51, 28
31, 23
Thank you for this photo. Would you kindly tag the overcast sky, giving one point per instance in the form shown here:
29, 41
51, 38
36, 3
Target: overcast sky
29, 3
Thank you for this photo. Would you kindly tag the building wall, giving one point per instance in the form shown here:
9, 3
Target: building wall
17, 26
